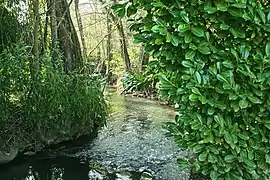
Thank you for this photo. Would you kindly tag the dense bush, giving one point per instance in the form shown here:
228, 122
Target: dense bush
143, 82
218, 55
53, 107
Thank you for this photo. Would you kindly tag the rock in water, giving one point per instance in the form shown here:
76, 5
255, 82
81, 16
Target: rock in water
123, 176
94, 174
6, 157
146, 176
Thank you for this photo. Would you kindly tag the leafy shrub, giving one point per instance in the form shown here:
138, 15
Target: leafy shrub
144, 82
218, 56
55, 106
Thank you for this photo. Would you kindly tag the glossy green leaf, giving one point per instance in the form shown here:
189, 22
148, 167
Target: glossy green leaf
157, 4
198, 77
187, 64
175, 40
184, 164
219, 119
195, 91
267, 49
234, 53
155, 29
255, 100
228, 138
198, 148
193, 97
214, 175
203, 156
204, 49
224, 26
183, 27
198, 32
239, 5
184, 16
244, 136
212, 158
230, 158
237, 33
250, 163
209, 8
221, 5
235, 12
210, 111
159, 41
243, 103
262, 15
188, 38
190, 54
221, 78
267, 158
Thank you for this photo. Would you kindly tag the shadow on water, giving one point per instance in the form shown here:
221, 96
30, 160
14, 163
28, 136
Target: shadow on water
133, 141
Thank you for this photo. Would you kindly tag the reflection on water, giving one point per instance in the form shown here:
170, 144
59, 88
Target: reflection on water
38, 168
57, 174
132, 141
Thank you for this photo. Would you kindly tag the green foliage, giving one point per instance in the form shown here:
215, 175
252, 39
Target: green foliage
218, 56
10, 27
144, 82
54, 105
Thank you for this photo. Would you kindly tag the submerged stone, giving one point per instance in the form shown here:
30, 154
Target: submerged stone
97, 175
146, 176
123, 176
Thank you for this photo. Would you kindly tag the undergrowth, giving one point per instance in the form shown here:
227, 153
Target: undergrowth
55, 106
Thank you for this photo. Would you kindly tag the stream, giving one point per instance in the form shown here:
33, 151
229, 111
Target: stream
131, 147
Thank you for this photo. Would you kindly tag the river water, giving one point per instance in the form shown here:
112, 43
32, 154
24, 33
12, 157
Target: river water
132, 141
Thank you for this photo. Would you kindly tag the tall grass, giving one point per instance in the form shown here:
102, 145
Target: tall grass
55, 106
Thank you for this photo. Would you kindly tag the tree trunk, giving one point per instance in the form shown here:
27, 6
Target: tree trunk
68, 39
123, 42
54, 30
144, 59
80, 26
124, 46
109, 48
35, 60
51, 4
45, 34
36, 29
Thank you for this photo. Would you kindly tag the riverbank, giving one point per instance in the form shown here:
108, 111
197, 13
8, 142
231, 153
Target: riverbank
133, 141
29, 144
51, 115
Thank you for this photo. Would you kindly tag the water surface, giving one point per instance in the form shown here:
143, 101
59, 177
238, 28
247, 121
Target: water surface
133, 140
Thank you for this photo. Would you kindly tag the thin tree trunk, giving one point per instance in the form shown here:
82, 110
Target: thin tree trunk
35, 60
124, 46
36, 29
109, 47
123, 42
144, 59
51, 4
45, 35
80, 26
53, 22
